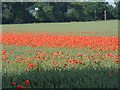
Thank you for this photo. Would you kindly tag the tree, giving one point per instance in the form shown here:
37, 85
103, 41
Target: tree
111, 12
24, 12
117, 10
17, 12
75, 11
7, 15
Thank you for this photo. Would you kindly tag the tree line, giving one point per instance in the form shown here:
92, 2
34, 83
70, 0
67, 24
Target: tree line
31, 12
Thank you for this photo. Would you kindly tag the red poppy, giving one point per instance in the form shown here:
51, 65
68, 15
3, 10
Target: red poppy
51, 53
79, 55
6, 56
95, 61
44, 54
18, 57
20, 87
66, 60
111, 55
13, 83
52, 61
35, 57
71, 61
43, 58
27, 82
28, 59
31, 65
65, 65
116, 61
100, 43
4, 52
91, 57
80, 62
62, 52
60, 63
10, 62
56, 54
25, 62
4, 61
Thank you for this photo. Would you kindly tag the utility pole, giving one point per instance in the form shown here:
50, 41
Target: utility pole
105, 16
105, 13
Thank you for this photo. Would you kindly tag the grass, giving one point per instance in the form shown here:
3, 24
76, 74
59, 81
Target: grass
103, 74
95, 26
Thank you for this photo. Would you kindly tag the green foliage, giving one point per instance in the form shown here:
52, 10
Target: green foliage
6, 13
91, 75
20, 12
16, 12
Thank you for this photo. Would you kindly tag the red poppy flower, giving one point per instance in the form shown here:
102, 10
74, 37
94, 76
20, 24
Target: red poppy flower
71, 61
4, 52
65, 65
31, 65
80, 62
20, 87
79, 55
10, 62
4, 61
35, 57
105, 43
66, 60
62, 52
13, 83
116, 61
27, 82
111, 55
60, 63
6, 56
28, 59
52, 61
95, 61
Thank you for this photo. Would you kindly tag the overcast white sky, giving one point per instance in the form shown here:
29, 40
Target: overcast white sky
111, 1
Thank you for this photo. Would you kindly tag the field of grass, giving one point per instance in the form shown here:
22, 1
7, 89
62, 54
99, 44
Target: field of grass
60, 55
95, 26
88, 74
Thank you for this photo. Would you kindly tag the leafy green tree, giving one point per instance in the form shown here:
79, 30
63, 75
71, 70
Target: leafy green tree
117, 10
7, 15
16, 12
75, 11
25, 12
21, 13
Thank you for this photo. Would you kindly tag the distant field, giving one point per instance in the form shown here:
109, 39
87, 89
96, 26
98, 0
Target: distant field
86, 57
95, 26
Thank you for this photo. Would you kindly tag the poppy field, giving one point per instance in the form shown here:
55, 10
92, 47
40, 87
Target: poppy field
59, 60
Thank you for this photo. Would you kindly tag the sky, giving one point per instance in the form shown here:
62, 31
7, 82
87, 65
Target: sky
111, 2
